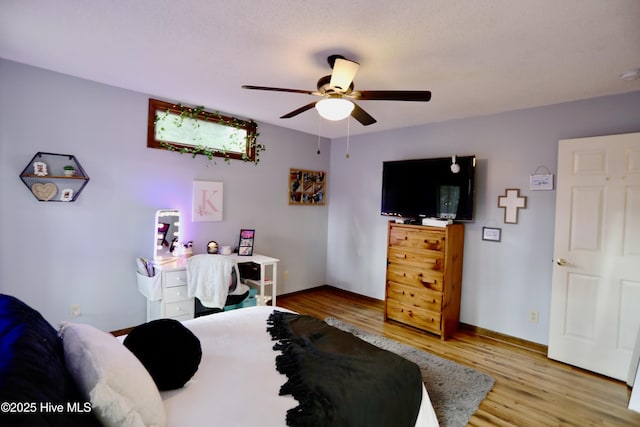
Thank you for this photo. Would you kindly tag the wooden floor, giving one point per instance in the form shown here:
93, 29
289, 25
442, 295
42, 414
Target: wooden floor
530, 389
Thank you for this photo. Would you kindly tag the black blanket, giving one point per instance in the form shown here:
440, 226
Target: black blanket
340, 380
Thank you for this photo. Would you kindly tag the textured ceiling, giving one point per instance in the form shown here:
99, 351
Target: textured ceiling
476, 56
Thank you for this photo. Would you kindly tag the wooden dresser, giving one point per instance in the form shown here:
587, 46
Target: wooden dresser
424, 276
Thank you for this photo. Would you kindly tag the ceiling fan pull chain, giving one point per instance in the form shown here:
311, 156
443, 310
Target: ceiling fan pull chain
348, 132
319, 125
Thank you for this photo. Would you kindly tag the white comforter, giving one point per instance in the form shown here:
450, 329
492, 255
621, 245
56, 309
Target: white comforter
237, 383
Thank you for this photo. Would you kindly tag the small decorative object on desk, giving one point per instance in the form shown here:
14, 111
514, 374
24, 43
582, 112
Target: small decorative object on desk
245, 247
69, 170
212, 247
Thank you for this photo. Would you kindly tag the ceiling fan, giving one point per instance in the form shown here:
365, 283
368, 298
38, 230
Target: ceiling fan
337, 93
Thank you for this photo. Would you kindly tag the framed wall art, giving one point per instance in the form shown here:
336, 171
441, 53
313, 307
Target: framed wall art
207, 201
541, 181
307, 187
512, 202
491, 234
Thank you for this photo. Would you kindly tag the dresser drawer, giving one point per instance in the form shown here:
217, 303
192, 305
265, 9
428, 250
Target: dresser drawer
417, 317
414, 297
418, 239
175, 293
416, 277
174, 278
430, 260
180, 308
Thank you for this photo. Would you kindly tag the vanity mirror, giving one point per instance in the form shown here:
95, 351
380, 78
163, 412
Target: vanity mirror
166, 233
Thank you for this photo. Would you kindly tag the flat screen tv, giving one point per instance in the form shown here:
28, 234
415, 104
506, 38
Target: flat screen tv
428, 188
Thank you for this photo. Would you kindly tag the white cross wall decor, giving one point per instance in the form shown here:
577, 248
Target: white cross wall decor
511, 202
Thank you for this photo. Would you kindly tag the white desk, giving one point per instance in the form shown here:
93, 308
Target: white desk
263, 262
167, 295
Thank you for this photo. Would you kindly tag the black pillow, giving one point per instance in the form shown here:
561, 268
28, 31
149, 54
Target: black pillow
33, 370
170, 352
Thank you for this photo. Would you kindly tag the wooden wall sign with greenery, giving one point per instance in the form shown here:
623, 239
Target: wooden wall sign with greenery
194, 130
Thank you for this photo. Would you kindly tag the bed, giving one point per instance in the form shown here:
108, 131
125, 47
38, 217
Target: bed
236, 382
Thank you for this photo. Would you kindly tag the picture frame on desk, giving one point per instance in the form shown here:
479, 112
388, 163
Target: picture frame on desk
245, 247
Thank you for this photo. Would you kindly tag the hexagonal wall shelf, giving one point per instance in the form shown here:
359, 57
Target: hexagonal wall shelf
54, 177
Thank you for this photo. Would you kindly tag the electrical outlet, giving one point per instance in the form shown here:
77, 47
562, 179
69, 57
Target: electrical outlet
285, 275
533, 316
75, 310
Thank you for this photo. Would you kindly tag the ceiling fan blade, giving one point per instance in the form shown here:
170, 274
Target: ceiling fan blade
362, 116
278, 89
299, 110
343, 73
392, 95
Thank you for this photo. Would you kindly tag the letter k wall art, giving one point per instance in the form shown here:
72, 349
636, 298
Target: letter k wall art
207, 201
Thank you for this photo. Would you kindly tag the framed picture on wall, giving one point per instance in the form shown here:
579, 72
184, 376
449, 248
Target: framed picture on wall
491, 234
307, 187
207, 201
245, 247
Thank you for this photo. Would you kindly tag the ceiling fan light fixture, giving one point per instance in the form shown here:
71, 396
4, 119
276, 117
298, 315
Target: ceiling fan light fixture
334, 108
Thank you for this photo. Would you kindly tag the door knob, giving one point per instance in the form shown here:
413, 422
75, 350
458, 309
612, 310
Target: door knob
561, 262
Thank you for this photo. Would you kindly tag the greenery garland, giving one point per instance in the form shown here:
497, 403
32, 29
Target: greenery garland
200, 113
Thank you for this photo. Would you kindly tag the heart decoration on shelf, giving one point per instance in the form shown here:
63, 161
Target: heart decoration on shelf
44, 191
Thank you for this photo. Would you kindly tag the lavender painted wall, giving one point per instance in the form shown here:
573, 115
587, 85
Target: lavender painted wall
57, 254
503, 281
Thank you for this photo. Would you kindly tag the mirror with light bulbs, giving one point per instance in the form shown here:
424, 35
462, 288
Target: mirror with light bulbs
166, 235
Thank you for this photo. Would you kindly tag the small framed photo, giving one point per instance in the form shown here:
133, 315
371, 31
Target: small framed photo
66, 195
245, 248
491, 234
40, 169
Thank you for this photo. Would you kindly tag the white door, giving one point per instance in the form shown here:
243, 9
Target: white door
595, 297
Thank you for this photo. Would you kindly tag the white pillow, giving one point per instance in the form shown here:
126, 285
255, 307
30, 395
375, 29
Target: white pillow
121, 391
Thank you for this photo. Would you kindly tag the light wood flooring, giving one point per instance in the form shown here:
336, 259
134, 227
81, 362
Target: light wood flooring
530, 389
